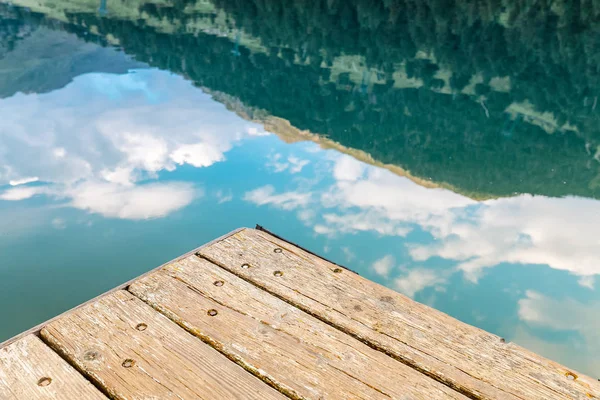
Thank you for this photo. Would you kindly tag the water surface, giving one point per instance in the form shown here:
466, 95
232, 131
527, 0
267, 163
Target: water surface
446, 150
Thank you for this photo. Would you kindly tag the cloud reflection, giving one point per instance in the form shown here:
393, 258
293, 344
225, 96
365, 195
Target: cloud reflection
135, 202
557, 232
95, 141
286, 201
524, 229
562, 315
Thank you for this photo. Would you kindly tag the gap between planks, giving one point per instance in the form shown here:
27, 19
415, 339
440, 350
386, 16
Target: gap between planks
283, 293
280, 344
134, 352
65, 337
466, 358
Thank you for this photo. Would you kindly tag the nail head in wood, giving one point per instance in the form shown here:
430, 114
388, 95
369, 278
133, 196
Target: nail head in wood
141, 327
212, 313
128, 363
245, 266
278, 273
45, 381
277, 250
218, 283
337, 270
91, 355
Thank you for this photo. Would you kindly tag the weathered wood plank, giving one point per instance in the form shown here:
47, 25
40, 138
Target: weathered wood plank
300, 355
30, 370
134, 352
462, 356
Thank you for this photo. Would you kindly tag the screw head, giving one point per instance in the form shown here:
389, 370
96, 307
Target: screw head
278, 273
245, 266
141, 327
571, 376
128, 363
277, 250
212, 312
337, 270
45, 381
218, 283
91, 355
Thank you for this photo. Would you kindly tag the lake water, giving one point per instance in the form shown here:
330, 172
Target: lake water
447, 150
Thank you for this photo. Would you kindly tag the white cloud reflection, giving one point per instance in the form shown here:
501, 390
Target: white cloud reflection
96, 140
562, 315
418, 279
293, 164
385, 202
131, 202
384, 265
20, 193
266, 195
557, 232
23, 181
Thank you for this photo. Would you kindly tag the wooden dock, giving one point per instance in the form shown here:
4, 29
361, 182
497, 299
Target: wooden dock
251, 316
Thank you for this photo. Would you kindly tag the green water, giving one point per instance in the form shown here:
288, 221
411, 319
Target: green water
448, 150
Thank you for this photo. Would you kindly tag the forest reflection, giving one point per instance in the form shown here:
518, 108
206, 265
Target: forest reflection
492, 98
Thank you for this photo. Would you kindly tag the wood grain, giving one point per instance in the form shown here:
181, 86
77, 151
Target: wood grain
300, 355
134, 352
466, 358
30, 370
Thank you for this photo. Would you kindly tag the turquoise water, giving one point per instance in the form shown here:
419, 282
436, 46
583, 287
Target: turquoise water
446, 151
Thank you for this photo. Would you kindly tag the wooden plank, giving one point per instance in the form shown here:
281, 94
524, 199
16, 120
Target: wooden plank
300, 355
134, 352
30, 370
466, 358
